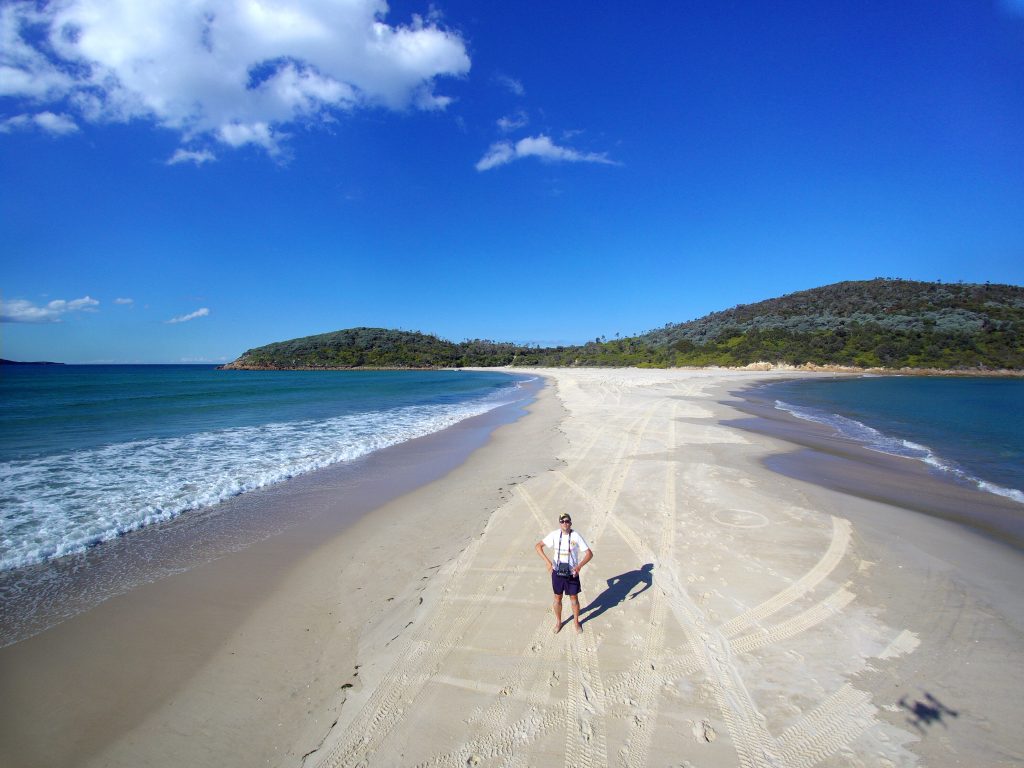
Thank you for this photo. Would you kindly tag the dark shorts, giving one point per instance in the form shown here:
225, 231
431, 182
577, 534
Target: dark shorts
562, 584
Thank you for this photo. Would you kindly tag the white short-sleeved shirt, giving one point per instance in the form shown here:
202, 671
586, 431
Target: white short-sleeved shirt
571, 547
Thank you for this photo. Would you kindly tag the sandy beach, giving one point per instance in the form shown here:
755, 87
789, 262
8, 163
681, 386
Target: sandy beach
733, 615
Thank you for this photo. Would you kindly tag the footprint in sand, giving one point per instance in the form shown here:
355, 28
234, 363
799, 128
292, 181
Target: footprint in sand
586, 732
707, 732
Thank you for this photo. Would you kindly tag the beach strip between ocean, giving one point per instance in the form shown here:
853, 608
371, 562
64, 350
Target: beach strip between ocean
733, 614
237, 660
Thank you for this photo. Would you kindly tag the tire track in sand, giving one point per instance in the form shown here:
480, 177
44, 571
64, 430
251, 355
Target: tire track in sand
494, 718
746, 725
833, 724
642, 686
841, 530
645, 685
815, 737
585, 733
784, 630
825, 729
426, 649
583, 667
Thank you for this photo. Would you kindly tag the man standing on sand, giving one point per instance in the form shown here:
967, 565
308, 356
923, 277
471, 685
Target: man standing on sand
565, 570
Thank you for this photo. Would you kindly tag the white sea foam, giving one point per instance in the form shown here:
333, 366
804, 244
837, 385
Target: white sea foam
877, 441
61, 504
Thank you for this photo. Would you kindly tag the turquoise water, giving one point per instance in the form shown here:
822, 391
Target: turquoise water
88, 453
971, 429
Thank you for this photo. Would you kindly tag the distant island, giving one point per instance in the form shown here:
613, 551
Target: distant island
21, 362
882, 323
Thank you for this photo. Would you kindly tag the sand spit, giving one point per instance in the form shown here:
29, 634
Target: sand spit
732, 616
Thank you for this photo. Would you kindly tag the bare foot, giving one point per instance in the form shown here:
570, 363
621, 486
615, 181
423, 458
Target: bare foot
579, 627
558, 627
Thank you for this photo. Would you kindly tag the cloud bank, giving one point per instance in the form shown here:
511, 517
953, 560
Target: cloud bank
22, 311
541, 146
233, 70
201, 312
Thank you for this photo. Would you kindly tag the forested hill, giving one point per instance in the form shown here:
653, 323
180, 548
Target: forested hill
887, 323
375, 348
874, 323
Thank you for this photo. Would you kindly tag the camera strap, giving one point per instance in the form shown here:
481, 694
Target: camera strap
568, 550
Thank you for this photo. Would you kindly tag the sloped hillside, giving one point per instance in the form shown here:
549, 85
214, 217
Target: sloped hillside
878, 323
888, 323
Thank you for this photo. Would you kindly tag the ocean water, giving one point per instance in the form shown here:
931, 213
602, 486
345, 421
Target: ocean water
90, 453
968, 429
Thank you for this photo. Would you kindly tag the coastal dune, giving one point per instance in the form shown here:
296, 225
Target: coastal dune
733, 616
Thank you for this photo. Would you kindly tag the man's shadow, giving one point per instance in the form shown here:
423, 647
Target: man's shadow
618, 591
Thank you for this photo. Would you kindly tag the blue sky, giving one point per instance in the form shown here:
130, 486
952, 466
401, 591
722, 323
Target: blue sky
182, 184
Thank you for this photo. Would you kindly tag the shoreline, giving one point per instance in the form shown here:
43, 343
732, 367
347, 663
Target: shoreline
760, 366
108, 685
62, 587
848, 466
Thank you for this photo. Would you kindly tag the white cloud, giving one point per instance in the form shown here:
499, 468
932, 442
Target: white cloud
57, 125
24, 69
240, 134
16, 123
86, 303
124, 301
498, 154
234, 70
23, 311
201, 312
542, 147
511, 123
191, 156
514, 86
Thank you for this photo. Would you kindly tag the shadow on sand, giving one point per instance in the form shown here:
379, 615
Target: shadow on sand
618, 591
926, 711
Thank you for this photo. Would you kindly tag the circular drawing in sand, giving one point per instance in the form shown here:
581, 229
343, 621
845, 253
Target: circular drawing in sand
740, 518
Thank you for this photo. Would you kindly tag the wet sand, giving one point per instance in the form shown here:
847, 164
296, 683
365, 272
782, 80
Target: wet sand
847, 466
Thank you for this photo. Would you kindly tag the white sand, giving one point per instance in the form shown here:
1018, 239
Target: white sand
765, 640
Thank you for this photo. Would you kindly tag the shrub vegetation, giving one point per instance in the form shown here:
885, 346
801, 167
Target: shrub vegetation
883, 322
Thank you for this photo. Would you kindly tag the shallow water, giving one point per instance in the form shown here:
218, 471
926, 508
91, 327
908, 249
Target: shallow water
89, 453
969, 429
